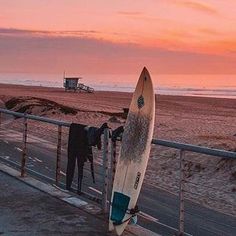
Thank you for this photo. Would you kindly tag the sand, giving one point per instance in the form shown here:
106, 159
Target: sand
209, 122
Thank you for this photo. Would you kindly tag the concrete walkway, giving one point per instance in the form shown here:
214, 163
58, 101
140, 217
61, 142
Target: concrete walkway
26, 210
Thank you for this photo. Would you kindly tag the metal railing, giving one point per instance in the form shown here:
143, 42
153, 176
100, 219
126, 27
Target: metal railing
58, 152
196, 149
108, 164
183, 149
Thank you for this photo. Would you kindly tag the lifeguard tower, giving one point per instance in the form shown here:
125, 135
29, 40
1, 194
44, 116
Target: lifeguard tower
72, 83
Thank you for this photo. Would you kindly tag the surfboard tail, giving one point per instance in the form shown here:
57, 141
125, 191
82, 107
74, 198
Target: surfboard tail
119, 229
111, 226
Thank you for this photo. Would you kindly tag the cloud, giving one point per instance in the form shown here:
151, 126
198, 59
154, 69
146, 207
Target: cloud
211, 32
130, 13
90, 55
138, 15
198, 6
25, 32
224, 45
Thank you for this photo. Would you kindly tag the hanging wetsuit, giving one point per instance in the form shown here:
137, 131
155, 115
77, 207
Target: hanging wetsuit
81, 140
76, 151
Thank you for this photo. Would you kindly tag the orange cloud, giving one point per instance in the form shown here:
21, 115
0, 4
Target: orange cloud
37, 53
198, 6
138, 15
223, 46
130, 13
209, 41
209, 31
25, 32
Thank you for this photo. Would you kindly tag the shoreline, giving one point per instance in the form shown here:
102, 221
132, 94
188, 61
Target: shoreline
117, 91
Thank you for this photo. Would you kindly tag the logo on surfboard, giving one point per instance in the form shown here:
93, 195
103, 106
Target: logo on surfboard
140, 102
137, 180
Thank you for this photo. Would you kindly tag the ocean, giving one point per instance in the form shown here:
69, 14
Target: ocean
187, 85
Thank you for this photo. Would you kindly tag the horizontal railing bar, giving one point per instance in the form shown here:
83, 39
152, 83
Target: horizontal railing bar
194, 148
166, 143
33, 117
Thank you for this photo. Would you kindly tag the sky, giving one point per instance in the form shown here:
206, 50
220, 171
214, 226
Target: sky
118, 36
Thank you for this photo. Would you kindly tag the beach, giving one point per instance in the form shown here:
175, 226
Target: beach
202, 121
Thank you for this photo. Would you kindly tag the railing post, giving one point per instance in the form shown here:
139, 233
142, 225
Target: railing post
24, 149
105, 170
113, 163
181, 193
58, 165
110, 171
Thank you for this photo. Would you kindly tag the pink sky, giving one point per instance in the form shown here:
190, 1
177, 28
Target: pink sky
98, 36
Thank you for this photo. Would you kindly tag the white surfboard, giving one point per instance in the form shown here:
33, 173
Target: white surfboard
134, 154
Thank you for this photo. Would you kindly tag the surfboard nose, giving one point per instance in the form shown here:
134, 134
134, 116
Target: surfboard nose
145, 73
145, 69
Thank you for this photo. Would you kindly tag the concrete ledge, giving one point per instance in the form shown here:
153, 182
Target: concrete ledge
68, 198
34, 182
74, 201
140, 231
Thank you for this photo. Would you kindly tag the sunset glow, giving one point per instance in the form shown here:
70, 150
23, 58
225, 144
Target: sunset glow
169, 36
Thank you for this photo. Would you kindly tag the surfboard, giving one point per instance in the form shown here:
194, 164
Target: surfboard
134, 153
